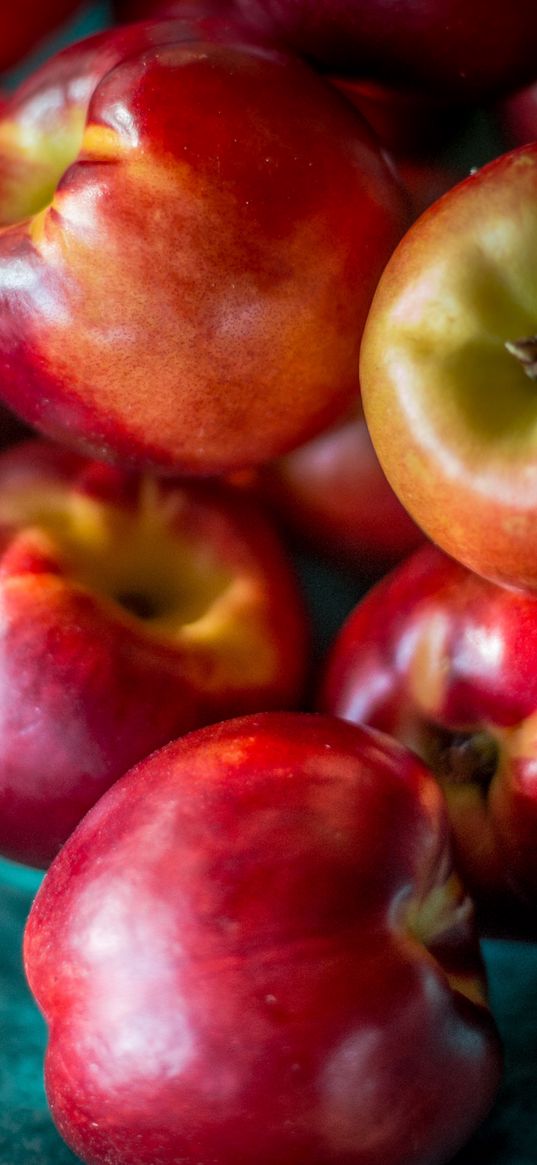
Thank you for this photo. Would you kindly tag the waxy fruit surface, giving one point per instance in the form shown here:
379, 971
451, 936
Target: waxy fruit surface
132, 611
194, 234
446, 662
255, 948
449, 370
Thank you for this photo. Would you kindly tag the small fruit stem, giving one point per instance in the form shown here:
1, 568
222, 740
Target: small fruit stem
526, 353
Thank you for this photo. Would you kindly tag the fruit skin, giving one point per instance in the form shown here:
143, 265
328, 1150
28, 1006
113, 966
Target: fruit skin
132, 611
210, 10
405, 121
192, 295
414, 133
450, 408
222, 947
26, 23
517, 117
447, 47
426, 178
445, 662
332, 494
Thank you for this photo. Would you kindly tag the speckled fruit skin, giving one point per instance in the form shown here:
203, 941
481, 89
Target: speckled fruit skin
333, 495
449, 48
132, 611
446, 662
233, 972
189, 294
24, 24
451, 407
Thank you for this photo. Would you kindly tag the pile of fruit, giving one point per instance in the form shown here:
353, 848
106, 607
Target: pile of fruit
246, 281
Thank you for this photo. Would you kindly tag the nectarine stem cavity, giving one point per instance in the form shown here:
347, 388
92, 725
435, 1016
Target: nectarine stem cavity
461, 757
526, 352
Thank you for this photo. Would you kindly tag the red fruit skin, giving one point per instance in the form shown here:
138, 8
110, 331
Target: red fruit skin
517, 117
443, 660
236, 254
222, 948
26, 23
451, 49
206, 11
405, 121
91, 686
449, 402
333, 495
414, 132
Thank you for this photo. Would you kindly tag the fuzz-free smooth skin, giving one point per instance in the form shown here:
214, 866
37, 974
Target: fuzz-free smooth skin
446, 662
132, 611
233, 972
207, 226
448, 388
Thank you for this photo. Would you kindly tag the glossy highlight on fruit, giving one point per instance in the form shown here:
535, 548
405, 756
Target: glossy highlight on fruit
448, 370
445, 662
132, 611
222, 948
194, 234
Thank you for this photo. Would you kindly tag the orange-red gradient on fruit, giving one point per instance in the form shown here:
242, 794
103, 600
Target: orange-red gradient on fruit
448, 370
132, 611
193, 293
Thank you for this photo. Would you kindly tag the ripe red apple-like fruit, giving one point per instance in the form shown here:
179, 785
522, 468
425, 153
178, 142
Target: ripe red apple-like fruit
24, 24
132, 611
451, 48
196, 233
233, 971
449, 365
447, 663
333, 495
